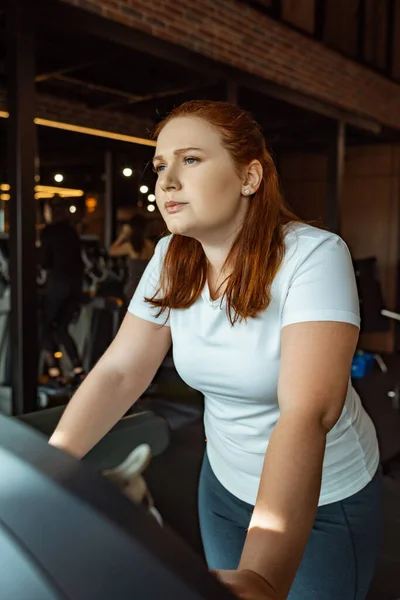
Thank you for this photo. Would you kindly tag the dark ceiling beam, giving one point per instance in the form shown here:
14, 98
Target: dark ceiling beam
161, 94
76, 67
232, 92
51, 158
96, 87
315, 106
58, 14
58, 72
299, 140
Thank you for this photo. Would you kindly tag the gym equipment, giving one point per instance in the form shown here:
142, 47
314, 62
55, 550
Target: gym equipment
66, 533
135, 428
374, 316
97, 320
5, 310
128, 476
101, 315
94, 259
370, 296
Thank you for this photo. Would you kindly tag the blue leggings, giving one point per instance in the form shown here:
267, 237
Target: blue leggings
340, 557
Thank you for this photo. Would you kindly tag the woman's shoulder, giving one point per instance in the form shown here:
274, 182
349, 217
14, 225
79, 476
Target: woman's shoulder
161, 246
302, 238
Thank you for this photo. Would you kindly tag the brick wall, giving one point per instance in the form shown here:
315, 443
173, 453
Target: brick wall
233, 33
76, 113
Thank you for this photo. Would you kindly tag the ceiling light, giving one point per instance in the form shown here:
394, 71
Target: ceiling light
111, 135
151, 208
63, 192
144, 189
59, 178
151, 197
127, 172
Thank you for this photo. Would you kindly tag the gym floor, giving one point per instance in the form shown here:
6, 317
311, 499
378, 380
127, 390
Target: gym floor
172, 477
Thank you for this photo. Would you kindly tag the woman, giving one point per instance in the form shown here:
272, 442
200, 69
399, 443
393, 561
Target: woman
133, 243
263, 312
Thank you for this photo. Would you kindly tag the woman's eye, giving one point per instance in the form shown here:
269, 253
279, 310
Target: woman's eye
191, 160
158, 168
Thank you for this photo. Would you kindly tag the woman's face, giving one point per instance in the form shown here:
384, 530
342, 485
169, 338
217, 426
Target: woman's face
198, 191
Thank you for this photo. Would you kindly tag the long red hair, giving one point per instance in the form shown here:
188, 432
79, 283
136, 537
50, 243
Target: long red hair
257, 251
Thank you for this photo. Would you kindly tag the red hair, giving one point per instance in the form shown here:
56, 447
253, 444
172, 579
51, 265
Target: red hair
258, 250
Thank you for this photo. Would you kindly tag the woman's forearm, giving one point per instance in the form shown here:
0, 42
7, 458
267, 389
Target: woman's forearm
287, 501
102, 399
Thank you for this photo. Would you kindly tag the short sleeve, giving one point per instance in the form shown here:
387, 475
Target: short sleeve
148, 286
323, 285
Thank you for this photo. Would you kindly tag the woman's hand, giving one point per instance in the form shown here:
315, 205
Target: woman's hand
125, 233
126, 230
247, 585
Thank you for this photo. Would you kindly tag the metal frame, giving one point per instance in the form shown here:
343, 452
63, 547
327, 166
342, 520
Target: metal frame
20, 17
109, 207
336, 158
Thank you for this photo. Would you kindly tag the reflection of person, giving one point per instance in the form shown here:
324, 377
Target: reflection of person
61, 257
264, 316
133, 243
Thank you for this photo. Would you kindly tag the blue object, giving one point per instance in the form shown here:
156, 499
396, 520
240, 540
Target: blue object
363, 363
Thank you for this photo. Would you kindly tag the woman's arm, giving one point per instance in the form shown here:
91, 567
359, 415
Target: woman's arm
315, 369
116, 382
122, 245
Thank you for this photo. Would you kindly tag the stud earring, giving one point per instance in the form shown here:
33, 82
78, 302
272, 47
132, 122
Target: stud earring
247, 192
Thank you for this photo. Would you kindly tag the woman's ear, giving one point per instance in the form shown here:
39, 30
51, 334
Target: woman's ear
252, 178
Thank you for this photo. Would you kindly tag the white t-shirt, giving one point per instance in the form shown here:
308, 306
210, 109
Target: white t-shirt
237, 368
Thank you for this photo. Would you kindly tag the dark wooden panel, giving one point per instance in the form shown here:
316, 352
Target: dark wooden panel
375, 36
396, 41
300, 13
341, 25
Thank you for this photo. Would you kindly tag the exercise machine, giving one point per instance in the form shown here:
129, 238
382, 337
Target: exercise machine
66, 533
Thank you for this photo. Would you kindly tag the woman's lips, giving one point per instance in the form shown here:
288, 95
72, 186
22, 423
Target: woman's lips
173, 207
